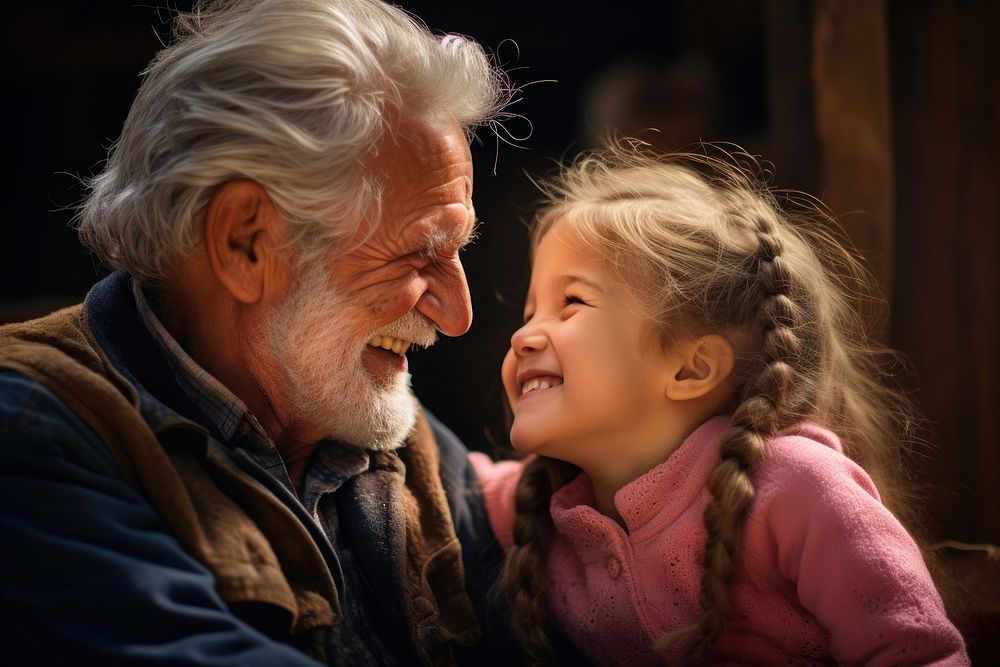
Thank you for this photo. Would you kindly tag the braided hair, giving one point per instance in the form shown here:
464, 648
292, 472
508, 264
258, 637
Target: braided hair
708, 249
523, 577
770, 401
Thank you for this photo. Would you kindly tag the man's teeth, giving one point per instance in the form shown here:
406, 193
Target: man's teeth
397, 345
540, 383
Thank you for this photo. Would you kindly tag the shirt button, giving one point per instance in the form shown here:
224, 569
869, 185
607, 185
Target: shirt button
243, 427
614, 567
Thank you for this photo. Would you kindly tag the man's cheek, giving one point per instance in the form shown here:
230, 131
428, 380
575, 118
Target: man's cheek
388, 307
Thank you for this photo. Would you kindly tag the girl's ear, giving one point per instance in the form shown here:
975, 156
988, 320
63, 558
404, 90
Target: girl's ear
701, 366
243, 233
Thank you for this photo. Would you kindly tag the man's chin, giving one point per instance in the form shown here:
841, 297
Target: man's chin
380, 421
400, 417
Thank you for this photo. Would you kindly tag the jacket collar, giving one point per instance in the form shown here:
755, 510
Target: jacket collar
114, 320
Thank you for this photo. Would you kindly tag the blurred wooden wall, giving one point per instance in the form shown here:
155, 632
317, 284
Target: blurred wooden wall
890, 112
946, 92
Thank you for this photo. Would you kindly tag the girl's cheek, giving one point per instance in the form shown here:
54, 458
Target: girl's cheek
508, 373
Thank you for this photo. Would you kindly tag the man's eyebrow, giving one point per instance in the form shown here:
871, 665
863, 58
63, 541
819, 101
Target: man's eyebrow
473, 234
442, 238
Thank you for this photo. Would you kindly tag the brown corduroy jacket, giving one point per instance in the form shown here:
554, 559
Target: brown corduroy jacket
258, 550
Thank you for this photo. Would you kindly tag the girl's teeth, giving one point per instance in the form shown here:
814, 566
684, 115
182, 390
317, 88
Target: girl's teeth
538, 383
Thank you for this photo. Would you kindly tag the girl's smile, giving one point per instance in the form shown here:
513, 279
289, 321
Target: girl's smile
583, 380
536, 380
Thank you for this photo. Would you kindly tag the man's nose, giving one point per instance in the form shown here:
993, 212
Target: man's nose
448, 304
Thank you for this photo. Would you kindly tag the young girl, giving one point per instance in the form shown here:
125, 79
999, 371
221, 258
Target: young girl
716, 441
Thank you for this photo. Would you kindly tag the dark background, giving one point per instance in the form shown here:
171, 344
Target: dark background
907, 150
74, 68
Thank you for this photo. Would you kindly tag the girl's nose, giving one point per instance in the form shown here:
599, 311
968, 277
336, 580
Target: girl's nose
529, 338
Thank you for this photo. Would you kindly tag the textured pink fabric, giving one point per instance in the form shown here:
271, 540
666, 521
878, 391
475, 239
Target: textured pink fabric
825, 572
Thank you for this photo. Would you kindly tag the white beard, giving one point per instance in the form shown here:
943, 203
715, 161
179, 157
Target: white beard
314, 338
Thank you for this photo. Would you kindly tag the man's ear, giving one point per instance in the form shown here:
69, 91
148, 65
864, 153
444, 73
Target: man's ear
702, 365
242, 234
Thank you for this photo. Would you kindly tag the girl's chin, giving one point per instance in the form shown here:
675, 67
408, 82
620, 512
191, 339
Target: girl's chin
524, 444
520, 445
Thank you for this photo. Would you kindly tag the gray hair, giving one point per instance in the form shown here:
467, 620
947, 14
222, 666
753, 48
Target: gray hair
292, 94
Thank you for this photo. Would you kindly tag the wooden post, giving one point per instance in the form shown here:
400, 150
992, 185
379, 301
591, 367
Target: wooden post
853, 109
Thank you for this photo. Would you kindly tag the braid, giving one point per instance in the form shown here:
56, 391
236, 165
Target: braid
766, 406
706, 246
524, 575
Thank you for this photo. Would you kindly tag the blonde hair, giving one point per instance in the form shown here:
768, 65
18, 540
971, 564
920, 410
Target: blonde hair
707, 248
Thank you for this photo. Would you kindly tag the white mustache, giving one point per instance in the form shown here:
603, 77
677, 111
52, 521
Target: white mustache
413, 327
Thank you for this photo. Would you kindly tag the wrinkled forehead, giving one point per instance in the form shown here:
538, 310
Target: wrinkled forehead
428, 145
422, 165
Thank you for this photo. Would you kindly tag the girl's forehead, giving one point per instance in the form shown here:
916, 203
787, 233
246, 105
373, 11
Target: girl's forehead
565, 259
564, 249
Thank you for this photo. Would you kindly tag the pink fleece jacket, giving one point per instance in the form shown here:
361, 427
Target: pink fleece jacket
825, 571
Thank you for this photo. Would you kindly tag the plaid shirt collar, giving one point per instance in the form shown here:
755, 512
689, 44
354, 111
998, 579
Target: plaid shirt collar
228, 414
334, 464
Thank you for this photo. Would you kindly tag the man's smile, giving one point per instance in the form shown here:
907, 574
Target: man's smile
397, 345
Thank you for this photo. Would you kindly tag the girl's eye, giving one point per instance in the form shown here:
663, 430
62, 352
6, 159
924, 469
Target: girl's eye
570, 299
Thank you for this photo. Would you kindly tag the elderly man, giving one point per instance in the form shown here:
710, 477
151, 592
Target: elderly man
216, 459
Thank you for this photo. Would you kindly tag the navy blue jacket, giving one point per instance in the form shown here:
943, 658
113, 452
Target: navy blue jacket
90, 573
